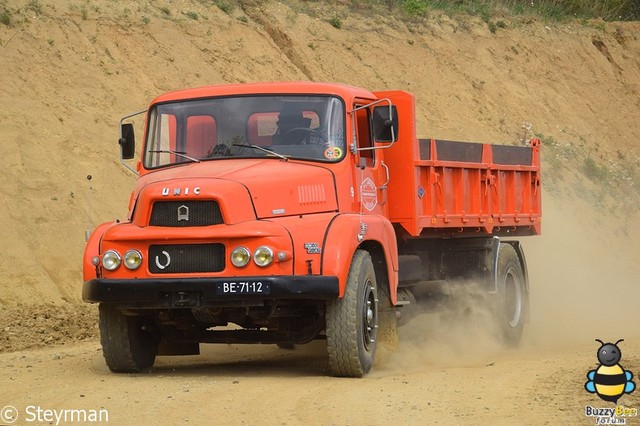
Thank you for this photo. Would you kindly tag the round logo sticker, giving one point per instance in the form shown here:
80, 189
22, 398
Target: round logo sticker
333, 153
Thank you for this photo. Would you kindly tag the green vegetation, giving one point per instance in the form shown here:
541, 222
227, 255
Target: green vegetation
609, 10
336, 22
34, 6
226, 6
413, 7
595, 171
497, 14
192, 15
5, 17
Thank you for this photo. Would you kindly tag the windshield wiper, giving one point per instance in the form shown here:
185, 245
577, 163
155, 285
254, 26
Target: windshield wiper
262, 148
178, 153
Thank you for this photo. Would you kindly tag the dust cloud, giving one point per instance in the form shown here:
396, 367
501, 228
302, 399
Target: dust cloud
584, 275
583, 286
454, 330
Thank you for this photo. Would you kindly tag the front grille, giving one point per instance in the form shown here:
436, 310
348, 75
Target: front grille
185, 213
186, 258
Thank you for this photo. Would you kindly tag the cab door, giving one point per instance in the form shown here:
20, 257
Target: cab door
370, 175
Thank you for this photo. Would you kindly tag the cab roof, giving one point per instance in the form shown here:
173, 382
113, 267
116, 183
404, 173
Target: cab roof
276, 88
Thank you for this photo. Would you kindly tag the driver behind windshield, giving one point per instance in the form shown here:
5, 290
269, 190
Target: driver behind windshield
293, 128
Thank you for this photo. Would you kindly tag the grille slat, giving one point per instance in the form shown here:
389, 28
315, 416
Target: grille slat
185, 213
186, 258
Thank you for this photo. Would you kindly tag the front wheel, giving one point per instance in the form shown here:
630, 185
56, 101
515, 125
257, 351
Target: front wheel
511, 301
128, 345
352, 322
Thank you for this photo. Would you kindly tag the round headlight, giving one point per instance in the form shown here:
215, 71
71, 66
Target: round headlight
263, 256
240, 256
132, 259
111, 260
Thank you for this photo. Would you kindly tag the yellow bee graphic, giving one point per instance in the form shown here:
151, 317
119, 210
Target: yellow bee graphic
610, 381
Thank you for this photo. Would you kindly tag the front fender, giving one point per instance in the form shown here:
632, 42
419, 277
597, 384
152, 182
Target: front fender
341, 241
93, 249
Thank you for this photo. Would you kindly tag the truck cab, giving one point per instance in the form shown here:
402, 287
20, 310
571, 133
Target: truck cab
250, 204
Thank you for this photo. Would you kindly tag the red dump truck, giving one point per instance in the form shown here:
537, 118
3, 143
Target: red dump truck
280, 213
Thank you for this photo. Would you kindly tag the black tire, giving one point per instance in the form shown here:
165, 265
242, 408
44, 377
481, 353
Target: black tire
352, 321
127, 345
511, 295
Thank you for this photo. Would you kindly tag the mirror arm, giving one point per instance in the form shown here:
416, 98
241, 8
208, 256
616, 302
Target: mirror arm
122, 140
128, 116
135, 172
379, 101
388, 122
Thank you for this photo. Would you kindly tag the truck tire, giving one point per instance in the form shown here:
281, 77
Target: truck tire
127, 347
511, 295
352, 321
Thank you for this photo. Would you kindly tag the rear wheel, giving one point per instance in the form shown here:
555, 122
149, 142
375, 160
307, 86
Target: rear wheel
128, 345
352, 322
510, 305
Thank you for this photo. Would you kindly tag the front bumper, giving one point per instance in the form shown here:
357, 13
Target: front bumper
197, 292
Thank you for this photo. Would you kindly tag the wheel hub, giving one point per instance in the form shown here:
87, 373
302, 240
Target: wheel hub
370, 323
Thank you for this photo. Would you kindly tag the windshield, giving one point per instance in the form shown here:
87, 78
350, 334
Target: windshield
286, 126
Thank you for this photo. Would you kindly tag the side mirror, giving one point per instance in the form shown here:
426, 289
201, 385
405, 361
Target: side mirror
385, 123
127, 142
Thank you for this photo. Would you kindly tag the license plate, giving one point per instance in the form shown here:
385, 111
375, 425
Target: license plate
242, 287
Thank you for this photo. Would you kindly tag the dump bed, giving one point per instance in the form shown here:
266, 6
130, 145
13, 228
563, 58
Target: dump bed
441, 188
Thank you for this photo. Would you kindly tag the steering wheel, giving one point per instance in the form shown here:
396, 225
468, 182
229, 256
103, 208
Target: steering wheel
306, 133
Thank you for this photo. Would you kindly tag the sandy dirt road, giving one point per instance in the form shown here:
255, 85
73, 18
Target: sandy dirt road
541, 384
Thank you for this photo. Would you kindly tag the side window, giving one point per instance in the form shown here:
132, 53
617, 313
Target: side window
363, 135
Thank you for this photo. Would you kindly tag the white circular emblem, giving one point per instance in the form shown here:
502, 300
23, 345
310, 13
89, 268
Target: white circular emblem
166, 264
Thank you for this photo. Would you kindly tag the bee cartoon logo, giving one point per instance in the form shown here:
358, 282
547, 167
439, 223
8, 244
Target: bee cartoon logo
609, 381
